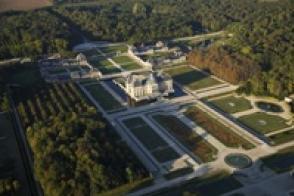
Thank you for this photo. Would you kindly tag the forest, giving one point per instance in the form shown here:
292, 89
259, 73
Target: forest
33, 33
75, 150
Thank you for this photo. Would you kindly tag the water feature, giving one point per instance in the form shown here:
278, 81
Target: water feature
269, 107
238, 160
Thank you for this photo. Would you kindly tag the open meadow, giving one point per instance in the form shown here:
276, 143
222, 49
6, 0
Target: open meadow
6, 5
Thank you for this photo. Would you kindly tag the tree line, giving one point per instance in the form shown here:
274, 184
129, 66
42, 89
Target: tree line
75, 151
28, 34
231, 67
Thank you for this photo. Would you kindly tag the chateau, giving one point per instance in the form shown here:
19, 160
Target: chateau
148, 86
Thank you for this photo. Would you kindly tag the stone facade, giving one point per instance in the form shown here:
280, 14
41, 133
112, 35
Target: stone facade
148, 86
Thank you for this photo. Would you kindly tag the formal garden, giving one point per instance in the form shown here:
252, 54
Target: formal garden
157, 146
103, 97
263, 123
231, 104
217, 129
194, 142
191, 78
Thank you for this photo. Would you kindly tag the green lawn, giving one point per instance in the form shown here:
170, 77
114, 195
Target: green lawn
131, 66
232, 104
282, 161
195, 143
217, 129
151, 140
217, 184
112, 49
103, 97
105, 66
126, 62
122, 59
164, 154
283, 137
192, 78
263, 123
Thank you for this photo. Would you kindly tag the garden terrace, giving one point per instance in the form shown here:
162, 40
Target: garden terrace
192, 78
232, 104
263, 123
221, 132
103, 97
283, 137
158, 147
194, 142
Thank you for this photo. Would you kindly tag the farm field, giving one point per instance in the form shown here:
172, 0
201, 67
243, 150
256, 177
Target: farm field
263, 123
159, 148
221, 132
232, 104
6, 5
103, 97
191, 78
195, 143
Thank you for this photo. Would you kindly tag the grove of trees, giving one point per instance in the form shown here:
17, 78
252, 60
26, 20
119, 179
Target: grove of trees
75, 151
28, 34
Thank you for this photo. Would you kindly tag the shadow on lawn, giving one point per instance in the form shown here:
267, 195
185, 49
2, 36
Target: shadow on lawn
188, 78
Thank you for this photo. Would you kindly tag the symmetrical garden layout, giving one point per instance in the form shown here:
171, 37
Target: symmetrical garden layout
177, 137
111, 59
192, 78
270, 121
185, 131
158, 147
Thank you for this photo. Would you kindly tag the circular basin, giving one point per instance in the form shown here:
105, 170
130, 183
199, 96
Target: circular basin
269, 107
238, 160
